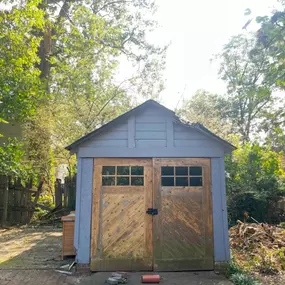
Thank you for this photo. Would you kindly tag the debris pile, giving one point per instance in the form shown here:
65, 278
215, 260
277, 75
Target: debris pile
257, 235
117, 278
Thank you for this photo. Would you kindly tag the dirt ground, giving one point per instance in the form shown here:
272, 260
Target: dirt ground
28, 256
167, 278
31, 248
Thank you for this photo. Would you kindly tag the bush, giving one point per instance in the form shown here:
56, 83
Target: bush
255, 183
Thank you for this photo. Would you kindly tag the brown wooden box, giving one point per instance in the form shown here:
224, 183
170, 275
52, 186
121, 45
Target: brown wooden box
68, 235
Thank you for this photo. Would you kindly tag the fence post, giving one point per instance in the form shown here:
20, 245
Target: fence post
5, 200
58, 193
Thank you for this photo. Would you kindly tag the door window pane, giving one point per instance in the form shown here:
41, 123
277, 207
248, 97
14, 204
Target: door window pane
181, 181
108, 170
167, 181
181, 171
195, 170
196, 181
137, 170
167, 170
108, 180
123, 170
138, 181
123, 180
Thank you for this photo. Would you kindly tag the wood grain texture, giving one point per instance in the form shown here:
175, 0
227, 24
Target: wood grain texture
123, 161
68, 238
97, 173
183, 231
122, 231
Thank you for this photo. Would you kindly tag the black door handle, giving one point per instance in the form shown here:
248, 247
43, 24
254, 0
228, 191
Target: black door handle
152, 211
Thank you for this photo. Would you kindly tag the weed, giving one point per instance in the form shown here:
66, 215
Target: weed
241, 278
238, 276
265, 261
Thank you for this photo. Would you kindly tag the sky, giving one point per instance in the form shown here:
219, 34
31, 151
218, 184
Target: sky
198, 29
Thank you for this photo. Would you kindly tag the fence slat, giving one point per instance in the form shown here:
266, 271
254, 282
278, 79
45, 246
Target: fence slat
5, 201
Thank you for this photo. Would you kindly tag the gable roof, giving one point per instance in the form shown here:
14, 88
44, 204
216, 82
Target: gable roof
149, 103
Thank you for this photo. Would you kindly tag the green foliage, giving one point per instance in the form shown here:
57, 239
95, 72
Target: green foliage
265, 261
20, 86
239, 276
208, 109
255, 182
248, 91
12, 160
243, 279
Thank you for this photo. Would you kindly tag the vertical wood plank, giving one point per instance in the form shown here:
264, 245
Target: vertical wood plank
5, 200
97, 172
148, 176
157, 205
131, 132
58, 194
208, 212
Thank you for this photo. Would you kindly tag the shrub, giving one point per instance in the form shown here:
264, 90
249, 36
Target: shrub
255, 183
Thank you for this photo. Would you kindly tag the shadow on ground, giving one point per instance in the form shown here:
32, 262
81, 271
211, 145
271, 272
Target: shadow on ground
168, 278
31, 248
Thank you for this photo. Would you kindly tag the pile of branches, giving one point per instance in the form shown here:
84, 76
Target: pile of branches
256, 235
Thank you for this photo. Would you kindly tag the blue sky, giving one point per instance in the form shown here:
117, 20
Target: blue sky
197, 30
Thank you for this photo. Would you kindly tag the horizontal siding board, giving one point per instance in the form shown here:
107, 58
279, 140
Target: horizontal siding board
151, 119
150, 135
114, 135
150, 143
188, 135
121, 127
154, 112
109, 143
150, 126
195, 143
150, 152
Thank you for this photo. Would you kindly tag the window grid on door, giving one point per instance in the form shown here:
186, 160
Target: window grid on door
182, 176
123, 175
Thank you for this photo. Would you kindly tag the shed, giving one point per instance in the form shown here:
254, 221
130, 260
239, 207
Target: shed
151, 194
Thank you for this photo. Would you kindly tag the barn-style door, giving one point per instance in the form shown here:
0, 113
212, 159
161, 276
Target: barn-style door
151, 214
183, 228
121, 236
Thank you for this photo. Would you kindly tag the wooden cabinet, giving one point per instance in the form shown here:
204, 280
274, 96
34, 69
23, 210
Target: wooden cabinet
68, 235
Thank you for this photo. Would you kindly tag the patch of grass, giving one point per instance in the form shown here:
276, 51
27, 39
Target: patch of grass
239, 276
242, 278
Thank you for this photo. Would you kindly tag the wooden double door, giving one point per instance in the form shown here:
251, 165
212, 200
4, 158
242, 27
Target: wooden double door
151, 214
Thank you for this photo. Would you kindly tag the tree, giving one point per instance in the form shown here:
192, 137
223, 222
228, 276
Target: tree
79, 51
255, 183
208, 109
248, 91
20, 87
270, 39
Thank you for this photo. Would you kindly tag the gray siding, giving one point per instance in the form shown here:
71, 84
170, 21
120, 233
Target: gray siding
117, 137
83, 210
150, 129
185, 137
152, 133
150, 152
220, 220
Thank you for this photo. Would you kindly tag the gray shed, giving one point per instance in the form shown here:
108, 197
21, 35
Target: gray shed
151, 194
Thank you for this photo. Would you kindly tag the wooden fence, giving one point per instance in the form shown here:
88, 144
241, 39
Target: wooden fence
17, 201
65, 193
